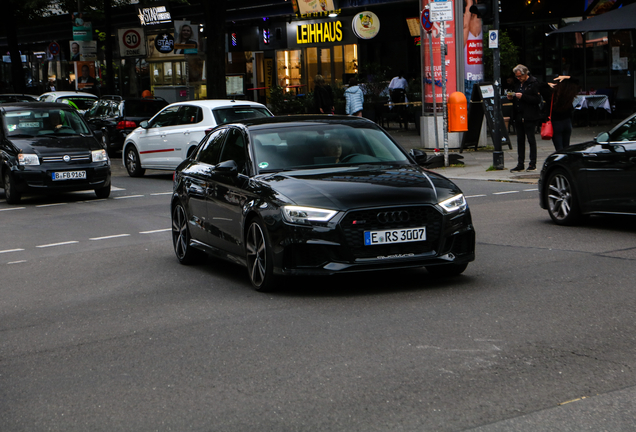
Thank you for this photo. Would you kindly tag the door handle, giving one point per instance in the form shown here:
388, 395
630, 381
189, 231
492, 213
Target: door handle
187, 132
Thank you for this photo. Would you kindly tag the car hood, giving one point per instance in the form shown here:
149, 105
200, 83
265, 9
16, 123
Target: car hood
43, 145
362, 186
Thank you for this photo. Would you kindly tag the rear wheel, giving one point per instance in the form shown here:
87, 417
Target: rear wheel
447, 270
186, 254
563, 205
133, 166
11, 193
260, 265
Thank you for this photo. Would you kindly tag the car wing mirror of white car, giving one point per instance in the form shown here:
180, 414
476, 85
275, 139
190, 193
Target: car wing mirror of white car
144, 124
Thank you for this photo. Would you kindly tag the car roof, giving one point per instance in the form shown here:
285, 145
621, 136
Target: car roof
31, 106
305, 120
69, 93
219, 103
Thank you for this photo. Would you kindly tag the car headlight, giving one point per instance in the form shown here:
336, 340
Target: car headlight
306, 215
28, 159
456, 203
99, 155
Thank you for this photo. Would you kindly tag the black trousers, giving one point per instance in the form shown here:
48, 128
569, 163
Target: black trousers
525, 128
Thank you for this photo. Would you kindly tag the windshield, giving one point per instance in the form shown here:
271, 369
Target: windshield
238, 113
78, 102
33, 122
318, 146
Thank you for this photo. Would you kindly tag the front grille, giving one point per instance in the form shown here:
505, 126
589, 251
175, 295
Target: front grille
60, 158
368, 220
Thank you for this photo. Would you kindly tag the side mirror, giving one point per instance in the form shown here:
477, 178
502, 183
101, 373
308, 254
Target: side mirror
603, 137
144, 124
227, 168
419, 156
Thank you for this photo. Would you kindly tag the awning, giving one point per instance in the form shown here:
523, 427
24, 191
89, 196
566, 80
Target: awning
619, 19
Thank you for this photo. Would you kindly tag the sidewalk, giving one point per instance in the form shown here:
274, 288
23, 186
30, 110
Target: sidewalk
476, 163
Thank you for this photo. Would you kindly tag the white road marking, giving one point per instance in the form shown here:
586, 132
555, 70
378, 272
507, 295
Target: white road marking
531, 190
57, 244
162, 193
475, 196
13, 208
506, 192
11, 250
17, 262
129, 196
51, 205
110, 237
155, 231
114, 188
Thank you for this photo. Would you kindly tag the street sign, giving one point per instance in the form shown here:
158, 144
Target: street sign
493, 39
441, 11
425, 20
131, 42
54, 48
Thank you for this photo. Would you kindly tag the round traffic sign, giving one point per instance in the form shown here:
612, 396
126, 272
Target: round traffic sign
425, 19
54, 48
131, 39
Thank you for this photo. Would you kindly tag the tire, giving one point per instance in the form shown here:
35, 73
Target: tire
561, 199
185, 253
260, 264
447, 270
11, 193
103, 193
107, 144
133, 165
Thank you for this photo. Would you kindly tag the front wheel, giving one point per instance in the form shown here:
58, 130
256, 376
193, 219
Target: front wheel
133, 165
186, 254
103, 192
11, 193
563, 205
260, 265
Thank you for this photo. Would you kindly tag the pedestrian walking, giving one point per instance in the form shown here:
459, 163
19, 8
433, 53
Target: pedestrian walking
526, 111
563, 93
323, 96
354, 98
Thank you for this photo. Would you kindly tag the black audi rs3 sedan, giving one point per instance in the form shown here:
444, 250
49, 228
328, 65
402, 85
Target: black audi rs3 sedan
316, 195
47, 147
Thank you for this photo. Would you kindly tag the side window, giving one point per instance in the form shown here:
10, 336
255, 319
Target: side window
234, 149
189, 115
210, 151
167, 117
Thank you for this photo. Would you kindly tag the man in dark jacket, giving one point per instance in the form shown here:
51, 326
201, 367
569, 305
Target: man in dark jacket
526, 102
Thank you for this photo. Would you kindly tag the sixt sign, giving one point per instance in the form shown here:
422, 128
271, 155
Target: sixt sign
158, 15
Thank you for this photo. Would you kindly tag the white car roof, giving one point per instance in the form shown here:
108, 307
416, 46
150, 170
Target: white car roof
218, 103
58, 94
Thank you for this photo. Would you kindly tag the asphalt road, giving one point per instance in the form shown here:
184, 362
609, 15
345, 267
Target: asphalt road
103, 330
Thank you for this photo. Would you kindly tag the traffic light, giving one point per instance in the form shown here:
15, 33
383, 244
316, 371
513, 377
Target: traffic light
483, 10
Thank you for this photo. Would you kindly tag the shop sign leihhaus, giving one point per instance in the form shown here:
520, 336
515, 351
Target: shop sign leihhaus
157, 15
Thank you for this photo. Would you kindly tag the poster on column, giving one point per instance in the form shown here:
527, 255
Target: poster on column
473, 48
434, 77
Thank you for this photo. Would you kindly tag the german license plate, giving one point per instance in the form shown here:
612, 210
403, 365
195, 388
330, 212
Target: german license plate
68, 175
394, 236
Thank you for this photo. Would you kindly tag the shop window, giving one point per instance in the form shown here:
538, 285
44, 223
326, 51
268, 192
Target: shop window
288, 68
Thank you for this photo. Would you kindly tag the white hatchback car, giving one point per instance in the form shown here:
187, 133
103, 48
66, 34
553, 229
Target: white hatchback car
81, 101
165, 140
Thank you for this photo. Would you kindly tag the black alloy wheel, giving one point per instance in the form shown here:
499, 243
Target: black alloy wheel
562, 202
260, 266
11, 193
133, 166
186, 254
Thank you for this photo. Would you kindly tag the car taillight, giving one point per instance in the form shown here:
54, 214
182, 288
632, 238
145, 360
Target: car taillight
126, 125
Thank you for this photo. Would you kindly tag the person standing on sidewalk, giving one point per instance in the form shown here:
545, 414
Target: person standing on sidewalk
563, 94
526, 112
354, 98
323, 96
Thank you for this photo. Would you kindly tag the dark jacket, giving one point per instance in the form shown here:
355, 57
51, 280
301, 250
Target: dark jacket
528, 107
323, 98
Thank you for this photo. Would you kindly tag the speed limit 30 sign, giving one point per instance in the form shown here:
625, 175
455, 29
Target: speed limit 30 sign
131, 42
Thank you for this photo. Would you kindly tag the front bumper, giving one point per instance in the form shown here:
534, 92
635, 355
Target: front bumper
39, 179
339, 248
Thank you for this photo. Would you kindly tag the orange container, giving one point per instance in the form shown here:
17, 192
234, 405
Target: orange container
457, 112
